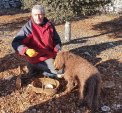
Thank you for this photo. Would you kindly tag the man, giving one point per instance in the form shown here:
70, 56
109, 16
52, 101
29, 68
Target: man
39, 42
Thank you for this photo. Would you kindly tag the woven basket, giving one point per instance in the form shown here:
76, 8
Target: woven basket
38, 86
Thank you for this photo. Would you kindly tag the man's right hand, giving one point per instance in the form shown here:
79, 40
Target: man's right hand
31, 52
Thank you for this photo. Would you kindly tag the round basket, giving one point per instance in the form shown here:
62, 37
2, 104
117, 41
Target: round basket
47, 86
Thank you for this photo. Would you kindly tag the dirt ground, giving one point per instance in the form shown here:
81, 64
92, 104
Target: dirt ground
96, 38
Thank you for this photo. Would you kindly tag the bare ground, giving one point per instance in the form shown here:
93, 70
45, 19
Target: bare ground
97, 38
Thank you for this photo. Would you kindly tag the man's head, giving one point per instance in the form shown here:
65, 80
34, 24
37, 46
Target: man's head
38, 13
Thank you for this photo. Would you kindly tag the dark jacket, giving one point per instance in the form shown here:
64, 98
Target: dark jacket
43, 38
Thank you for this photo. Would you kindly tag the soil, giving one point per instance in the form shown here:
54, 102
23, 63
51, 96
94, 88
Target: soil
96, 38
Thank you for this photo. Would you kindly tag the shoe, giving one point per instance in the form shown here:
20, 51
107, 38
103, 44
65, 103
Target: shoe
52, 75
48, 74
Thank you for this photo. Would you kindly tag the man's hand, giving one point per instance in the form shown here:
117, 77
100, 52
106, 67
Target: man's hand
31, 52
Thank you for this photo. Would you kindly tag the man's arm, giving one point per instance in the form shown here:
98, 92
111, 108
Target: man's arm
22, 34
57, 39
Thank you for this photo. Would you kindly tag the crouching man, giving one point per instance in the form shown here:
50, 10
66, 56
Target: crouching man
39, 42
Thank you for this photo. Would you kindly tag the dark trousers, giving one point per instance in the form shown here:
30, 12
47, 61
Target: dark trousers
45, 66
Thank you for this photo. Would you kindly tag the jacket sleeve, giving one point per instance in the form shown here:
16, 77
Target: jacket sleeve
22, 34
57, 40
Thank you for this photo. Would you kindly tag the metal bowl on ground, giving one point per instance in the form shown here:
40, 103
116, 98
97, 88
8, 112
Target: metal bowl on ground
44, 85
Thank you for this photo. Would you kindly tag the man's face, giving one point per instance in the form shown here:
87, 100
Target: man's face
37, 16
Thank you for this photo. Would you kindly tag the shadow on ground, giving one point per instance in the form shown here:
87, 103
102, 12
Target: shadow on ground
65, 104
7, 86
14, 25
10, 68
111, 67
112, 72
13, 11
90, 52
113, 26
11, 61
